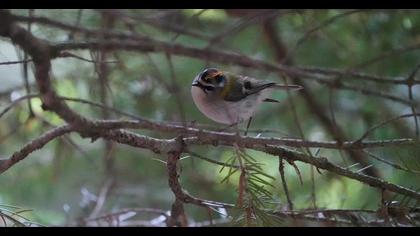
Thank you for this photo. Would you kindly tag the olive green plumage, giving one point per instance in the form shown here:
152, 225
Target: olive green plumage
239, 87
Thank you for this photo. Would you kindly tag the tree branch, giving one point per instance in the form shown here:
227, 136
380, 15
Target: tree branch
35, 144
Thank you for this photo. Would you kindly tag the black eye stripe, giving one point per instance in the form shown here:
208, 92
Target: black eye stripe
205, 88
209, 88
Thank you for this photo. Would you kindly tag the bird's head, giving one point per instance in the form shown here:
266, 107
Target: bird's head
210, 79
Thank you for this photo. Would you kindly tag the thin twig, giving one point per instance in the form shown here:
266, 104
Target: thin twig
32, 146
15, 62
396, 166
318, 27
17, 101
285, 188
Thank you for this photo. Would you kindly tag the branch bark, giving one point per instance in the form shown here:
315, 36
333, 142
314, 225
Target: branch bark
36, 144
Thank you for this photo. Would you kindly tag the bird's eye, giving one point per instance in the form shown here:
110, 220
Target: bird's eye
247, 85
219, 78
208, 89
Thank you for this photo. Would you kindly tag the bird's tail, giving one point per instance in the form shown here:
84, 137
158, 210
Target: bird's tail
289, 86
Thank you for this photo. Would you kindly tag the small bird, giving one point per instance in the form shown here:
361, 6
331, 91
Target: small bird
231, 99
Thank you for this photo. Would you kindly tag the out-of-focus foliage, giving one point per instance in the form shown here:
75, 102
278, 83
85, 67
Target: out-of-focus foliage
61, 182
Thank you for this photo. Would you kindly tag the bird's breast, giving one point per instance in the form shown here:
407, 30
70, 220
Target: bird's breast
214, 107
225, 112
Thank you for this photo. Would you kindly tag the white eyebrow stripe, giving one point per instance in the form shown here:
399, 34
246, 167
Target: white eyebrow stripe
205, 84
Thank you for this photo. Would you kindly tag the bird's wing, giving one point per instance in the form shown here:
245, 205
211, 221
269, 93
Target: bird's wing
239, 87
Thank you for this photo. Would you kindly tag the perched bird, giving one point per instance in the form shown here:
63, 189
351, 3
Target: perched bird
230, 99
